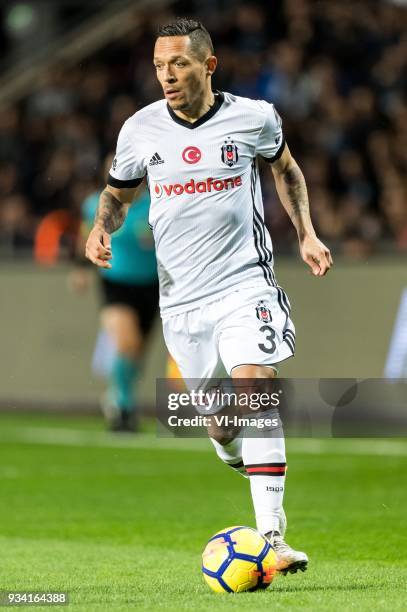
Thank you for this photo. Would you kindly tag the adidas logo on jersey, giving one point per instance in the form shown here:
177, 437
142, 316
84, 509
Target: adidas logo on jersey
155, 160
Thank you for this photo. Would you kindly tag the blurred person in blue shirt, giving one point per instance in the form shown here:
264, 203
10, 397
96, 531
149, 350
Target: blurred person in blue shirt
129, 292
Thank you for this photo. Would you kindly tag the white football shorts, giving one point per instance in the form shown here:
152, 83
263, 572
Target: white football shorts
248, 326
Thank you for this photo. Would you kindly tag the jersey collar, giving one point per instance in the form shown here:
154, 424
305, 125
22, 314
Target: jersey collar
219, 98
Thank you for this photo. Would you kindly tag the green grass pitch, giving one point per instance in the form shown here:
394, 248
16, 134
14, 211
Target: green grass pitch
120, 522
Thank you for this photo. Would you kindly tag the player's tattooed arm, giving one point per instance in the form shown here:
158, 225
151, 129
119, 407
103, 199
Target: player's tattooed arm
292, 191
298, 198
111, 212
110, 215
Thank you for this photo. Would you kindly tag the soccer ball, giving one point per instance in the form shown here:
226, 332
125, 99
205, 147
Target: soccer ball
238, 559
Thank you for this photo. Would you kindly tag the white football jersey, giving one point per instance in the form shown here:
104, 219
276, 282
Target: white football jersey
206, 208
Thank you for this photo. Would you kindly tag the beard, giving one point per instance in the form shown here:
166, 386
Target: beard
183, 104
193, 92
179, 106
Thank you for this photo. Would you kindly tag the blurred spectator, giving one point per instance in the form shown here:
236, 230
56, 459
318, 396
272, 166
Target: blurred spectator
16, 232
55, 97
10, 134
335, 70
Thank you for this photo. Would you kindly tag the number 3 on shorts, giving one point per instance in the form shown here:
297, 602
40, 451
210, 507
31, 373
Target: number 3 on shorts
271, 334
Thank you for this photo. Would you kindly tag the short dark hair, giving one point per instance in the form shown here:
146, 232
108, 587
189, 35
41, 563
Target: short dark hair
198, 34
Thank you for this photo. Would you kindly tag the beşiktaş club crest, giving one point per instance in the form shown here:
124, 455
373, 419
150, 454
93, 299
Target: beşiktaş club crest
229, 152
262, 312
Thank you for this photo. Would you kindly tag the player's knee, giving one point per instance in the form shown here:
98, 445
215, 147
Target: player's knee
222, 435
122, 325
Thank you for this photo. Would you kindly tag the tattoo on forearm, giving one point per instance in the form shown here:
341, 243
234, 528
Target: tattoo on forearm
297, 194
111, 213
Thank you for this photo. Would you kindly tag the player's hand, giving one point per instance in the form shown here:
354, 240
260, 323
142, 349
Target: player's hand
98, 248
316, 255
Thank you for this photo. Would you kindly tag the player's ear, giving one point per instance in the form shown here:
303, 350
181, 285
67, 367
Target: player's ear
211, 63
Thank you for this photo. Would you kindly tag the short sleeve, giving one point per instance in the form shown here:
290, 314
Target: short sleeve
126, 171
271, 143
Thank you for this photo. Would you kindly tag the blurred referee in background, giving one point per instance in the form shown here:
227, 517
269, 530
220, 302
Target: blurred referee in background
129, 294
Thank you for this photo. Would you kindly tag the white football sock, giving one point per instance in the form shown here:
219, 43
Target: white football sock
231, 454
265, 463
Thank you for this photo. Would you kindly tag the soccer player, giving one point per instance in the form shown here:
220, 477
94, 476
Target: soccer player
199, 149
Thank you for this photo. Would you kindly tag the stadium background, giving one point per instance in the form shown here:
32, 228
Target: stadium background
70, 74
